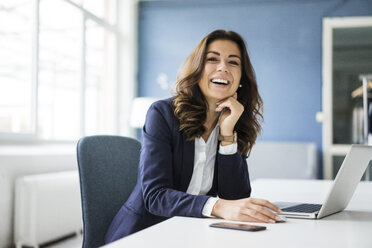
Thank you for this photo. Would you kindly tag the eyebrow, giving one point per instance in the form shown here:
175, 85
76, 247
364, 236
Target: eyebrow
230, 56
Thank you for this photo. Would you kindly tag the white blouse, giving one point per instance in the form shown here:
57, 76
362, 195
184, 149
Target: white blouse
204, 160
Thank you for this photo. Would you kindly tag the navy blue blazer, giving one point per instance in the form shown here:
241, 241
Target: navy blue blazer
164, 173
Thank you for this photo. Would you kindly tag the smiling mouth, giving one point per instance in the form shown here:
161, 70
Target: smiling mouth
220, 81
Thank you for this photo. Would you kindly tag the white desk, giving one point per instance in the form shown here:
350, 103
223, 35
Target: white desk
350, 228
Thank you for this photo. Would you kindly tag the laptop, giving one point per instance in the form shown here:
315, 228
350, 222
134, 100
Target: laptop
341, 191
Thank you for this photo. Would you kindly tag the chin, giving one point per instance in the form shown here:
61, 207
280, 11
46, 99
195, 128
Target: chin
220, 97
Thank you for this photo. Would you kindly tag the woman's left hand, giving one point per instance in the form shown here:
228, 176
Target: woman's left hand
233, 111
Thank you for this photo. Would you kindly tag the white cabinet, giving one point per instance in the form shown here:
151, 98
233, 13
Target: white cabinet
347, 53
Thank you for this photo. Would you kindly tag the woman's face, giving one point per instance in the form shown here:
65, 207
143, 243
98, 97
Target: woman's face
222, 71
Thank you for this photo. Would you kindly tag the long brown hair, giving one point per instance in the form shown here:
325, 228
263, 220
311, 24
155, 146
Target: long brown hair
190, 105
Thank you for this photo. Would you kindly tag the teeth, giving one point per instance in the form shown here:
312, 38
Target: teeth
221, 81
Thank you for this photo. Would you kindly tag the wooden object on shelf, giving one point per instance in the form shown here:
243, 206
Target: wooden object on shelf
359, 91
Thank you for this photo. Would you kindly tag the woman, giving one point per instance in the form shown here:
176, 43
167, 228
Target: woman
182, 166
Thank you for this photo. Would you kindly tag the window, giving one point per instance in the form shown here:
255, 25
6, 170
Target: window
100, 68
58, 76
16, 66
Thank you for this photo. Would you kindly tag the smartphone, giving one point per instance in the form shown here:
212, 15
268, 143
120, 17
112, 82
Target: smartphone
237, 226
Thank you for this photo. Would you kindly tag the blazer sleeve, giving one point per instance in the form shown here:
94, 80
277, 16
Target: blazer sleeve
156, 170
233, 177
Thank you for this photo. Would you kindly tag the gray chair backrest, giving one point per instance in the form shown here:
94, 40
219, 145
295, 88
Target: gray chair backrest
108, 168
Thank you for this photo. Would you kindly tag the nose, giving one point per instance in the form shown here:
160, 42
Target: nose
222, 66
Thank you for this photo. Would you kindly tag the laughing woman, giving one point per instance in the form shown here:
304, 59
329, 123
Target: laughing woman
195, 145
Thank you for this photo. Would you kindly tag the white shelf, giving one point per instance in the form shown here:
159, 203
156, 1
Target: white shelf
339, 150
329, 148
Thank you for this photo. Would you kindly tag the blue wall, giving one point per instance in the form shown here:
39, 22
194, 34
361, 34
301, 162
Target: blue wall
284, 40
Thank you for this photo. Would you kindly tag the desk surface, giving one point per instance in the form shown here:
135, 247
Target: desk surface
350, 228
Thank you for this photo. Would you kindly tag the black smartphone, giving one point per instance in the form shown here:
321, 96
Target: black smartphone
237, 226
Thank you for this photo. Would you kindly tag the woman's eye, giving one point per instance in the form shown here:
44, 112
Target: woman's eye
212, 59
234, 63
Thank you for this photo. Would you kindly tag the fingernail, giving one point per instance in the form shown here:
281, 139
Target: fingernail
278, 218
272, 221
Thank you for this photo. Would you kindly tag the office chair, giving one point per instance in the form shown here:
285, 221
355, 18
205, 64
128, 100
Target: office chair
108, 173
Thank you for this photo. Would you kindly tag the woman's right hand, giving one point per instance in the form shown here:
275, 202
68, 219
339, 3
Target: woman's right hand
247, 209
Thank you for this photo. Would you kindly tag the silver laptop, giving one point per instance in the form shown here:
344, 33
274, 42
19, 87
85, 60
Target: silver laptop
343, 188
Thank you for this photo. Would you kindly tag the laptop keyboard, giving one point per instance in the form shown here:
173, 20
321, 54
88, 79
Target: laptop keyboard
303, 208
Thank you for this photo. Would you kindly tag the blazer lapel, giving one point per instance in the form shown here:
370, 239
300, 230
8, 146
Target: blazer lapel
187, 163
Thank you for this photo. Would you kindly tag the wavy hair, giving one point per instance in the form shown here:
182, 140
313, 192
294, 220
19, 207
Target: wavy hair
190, 105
